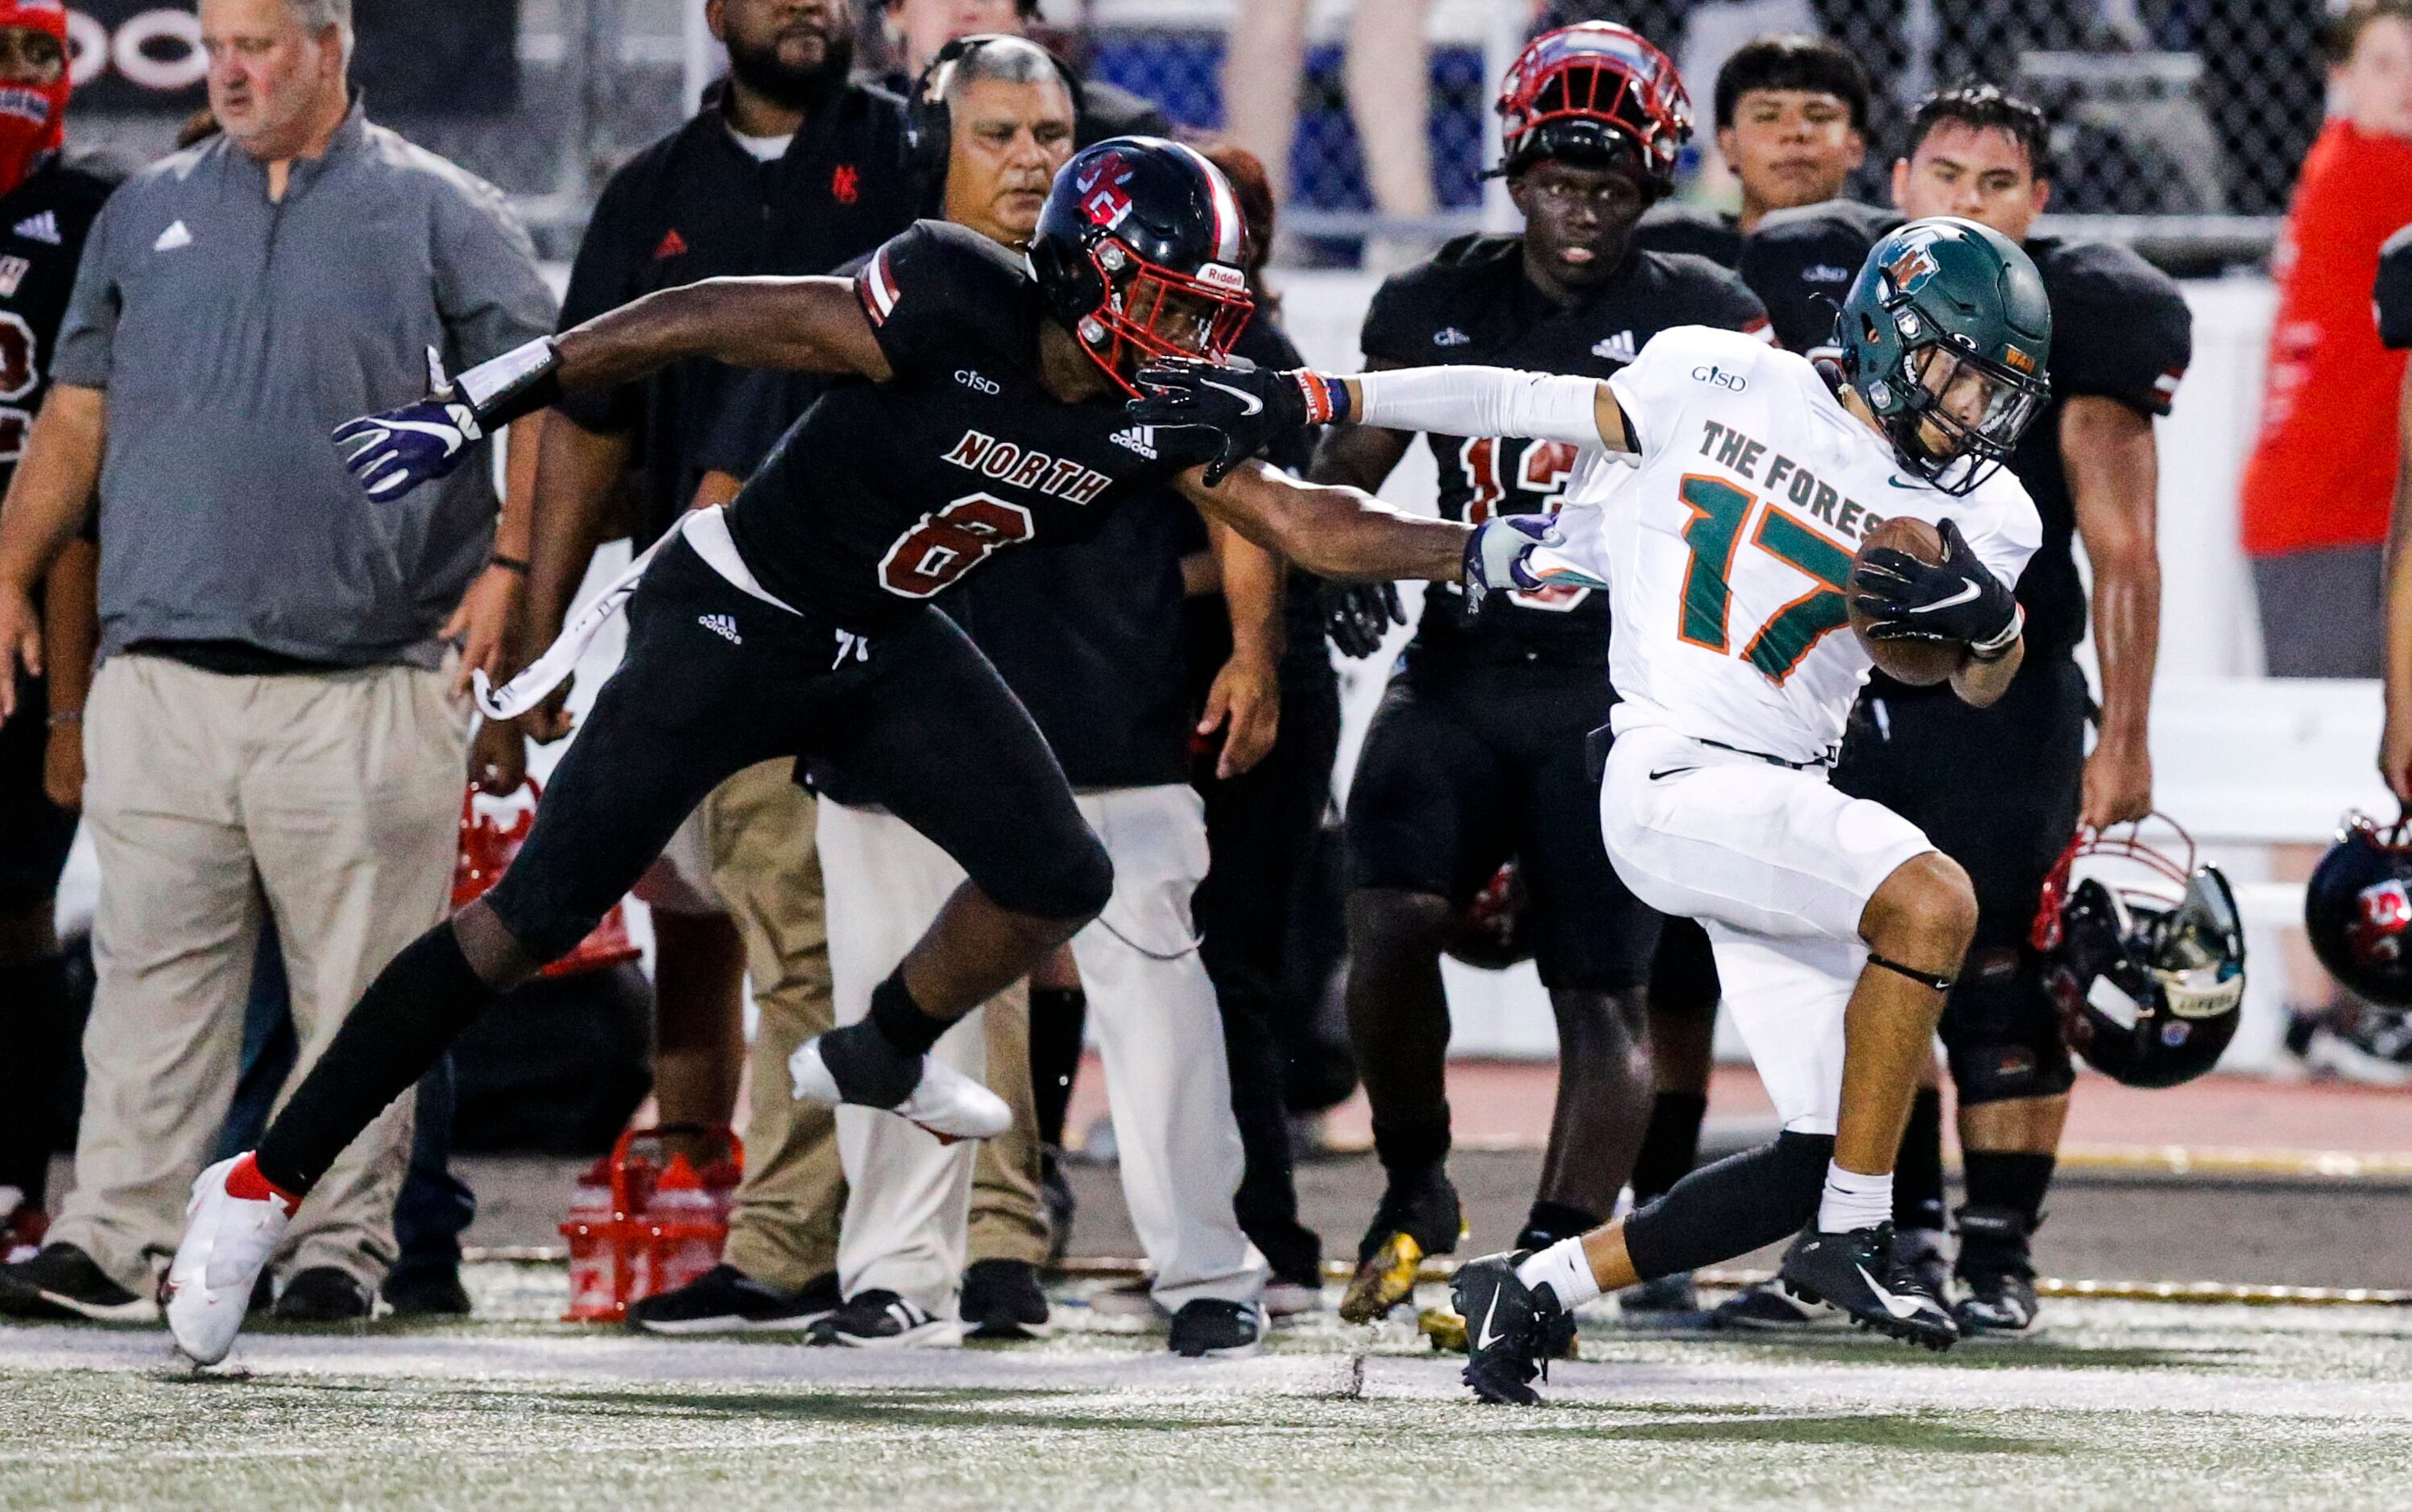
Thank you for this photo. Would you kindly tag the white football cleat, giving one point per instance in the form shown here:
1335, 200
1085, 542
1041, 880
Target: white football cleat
945, 1102
228, 1240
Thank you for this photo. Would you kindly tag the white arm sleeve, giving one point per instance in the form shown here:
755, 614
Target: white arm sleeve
1476, 401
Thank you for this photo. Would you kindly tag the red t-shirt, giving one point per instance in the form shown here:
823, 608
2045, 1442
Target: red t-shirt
2323, 469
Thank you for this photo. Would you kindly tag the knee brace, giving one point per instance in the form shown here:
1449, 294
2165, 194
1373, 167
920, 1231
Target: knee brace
1731, 1208
2001, 1032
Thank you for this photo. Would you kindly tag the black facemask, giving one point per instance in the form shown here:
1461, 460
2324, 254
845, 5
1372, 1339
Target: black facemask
761, 70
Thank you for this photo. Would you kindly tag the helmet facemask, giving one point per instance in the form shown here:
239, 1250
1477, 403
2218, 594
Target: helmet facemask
1595, 95
1150, 312
1953, 414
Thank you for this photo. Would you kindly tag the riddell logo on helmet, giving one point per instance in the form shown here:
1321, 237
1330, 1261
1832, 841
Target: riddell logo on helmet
1221, 275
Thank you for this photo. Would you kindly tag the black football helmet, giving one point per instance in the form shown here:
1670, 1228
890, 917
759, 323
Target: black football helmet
1139, 254
2147, 967
1496, 930
2357, 909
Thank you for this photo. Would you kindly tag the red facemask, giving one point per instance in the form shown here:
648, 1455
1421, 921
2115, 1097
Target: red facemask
33, 117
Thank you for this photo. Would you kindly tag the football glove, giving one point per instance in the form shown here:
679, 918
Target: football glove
1956, 599
1247, 407
1356, 615
1518, 552
394, 452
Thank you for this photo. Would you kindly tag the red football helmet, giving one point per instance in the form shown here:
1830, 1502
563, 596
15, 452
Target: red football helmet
1597, 94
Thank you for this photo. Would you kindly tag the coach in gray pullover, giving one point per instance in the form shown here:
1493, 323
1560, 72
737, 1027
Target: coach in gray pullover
272, 720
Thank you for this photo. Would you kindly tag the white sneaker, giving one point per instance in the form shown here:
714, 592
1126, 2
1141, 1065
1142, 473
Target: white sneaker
945, 1102
228, 1239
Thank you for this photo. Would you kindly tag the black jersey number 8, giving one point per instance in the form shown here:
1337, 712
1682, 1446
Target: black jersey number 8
950, 542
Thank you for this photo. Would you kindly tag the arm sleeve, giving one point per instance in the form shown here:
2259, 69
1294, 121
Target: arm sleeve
1474, 400
2394, 290
2123, 333
88, 334
602, 279
488, 290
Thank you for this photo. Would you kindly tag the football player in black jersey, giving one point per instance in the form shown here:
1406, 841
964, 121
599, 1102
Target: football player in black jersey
979, 405
1792, 120
2002, 790
47, 206
1478, 753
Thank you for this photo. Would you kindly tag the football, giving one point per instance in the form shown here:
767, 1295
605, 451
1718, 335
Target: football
1918, 663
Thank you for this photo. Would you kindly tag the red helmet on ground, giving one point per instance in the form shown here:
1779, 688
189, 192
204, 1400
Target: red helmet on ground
1596, 96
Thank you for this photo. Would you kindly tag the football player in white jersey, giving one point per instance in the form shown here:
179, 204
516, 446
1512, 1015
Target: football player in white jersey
1726, 490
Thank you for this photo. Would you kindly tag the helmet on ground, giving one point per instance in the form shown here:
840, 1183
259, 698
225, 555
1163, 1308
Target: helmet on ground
1139, 253
1595, 95
1946, 333
1496, 930
2144, 956
2357, 909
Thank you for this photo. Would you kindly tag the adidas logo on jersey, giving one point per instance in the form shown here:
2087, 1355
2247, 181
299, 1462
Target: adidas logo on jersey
43, 227
722, 626
1617, 348
1451, 336
1138, 438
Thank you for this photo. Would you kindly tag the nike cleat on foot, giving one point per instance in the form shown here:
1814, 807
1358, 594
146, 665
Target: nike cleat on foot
945, 1102
1512, 1330
232, 1223
1860, 1272
1767, 1307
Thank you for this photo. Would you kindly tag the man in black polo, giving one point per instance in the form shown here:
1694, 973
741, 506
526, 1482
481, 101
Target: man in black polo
789, 168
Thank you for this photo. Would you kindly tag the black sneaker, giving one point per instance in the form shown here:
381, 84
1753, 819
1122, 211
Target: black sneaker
880, 1319
1210, 1328
1001, 1299
1512, 1330
62, 1282
1768, 1307
725, 1300
322, 1294
1859, 1272
1412, 1221
1995, 1269
425, 1289
1664, 1296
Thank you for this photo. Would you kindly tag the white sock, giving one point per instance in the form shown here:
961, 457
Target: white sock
1853, 1200
1567, 1271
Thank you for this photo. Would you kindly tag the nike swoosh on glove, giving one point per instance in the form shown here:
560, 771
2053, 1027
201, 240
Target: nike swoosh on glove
1956, 599
396, 450
1518, 552
1249, 407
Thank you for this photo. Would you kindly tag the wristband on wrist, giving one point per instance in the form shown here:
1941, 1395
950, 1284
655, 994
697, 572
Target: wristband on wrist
1999, 646
509, 564
518, 382
1327, 398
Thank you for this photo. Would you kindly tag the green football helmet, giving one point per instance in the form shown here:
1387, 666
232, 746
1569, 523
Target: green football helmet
1946, 335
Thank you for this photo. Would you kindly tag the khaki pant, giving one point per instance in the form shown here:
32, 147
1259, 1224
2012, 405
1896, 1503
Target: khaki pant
337, 798
757, 831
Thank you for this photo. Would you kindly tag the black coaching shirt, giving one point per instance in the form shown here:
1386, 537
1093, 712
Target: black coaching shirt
2393, 293
1471, 303
2120, 329
885, 495
696, 205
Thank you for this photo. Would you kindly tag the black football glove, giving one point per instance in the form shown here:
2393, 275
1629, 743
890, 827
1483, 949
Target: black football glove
1956, 599
1249, 407
1358, 615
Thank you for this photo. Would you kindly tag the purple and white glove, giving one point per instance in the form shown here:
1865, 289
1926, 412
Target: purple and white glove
394, 452
1519, 553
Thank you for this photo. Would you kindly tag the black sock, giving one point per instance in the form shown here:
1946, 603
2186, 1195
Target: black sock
418, 1005
1059, 1016
2011, 1181
1671, 1146
1412, 1151
878, 1063
900, 1020
1550, 1222
41, 1040
1917, 1173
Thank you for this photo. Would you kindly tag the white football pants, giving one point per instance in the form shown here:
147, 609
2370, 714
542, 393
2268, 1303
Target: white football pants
1158, 1030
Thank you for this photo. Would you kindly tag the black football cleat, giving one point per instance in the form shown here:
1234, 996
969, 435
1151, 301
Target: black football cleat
1003, 1300
1768, 1307
1860, 1272
1412, 1221
1512, 1330
1995, 1269
1662, 1297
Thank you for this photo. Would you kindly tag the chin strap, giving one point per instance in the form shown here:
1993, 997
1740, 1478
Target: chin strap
1923, 978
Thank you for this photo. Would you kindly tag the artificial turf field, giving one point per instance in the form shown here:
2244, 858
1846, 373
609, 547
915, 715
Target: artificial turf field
2119, 1405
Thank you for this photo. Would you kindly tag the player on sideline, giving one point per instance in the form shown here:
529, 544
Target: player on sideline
980, 404
1838, 926
1479, 751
